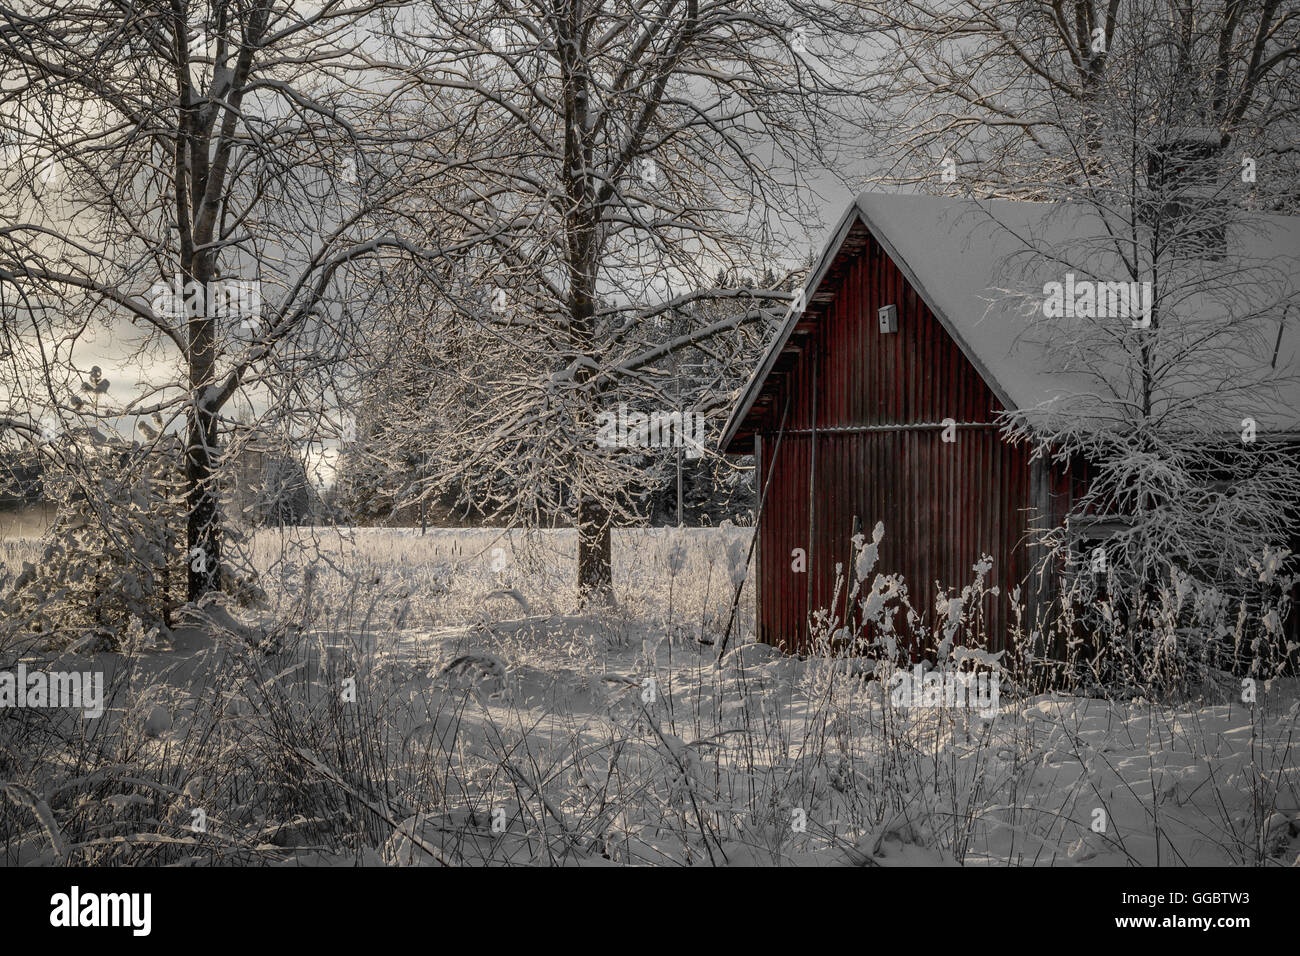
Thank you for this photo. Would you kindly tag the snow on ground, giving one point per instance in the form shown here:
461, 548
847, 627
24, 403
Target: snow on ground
427, 699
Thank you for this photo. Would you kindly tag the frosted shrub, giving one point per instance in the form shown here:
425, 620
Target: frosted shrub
1185, 632
112, 562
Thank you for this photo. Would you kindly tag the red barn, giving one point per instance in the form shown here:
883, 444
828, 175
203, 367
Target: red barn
901, 329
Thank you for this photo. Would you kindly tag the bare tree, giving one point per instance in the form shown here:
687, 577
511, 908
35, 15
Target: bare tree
198, 182
621, 153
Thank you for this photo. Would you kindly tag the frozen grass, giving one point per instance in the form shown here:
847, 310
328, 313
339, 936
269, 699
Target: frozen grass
494, 723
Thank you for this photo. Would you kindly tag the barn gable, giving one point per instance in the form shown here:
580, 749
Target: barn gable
851, 238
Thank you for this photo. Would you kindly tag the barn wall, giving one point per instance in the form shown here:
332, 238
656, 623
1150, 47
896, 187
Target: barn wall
942, 504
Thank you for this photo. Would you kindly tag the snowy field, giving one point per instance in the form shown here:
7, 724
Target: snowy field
436, 699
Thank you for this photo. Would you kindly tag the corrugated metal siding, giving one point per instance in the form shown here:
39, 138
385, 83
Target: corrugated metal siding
942, 504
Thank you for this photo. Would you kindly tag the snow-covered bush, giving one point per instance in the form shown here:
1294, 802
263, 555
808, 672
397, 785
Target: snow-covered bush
1181, 632
112, 563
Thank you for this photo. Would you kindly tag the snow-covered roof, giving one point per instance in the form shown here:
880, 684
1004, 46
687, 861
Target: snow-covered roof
979, 266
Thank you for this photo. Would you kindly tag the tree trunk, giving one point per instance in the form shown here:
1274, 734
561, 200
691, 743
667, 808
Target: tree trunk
595, 556
582, 226
203, 523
